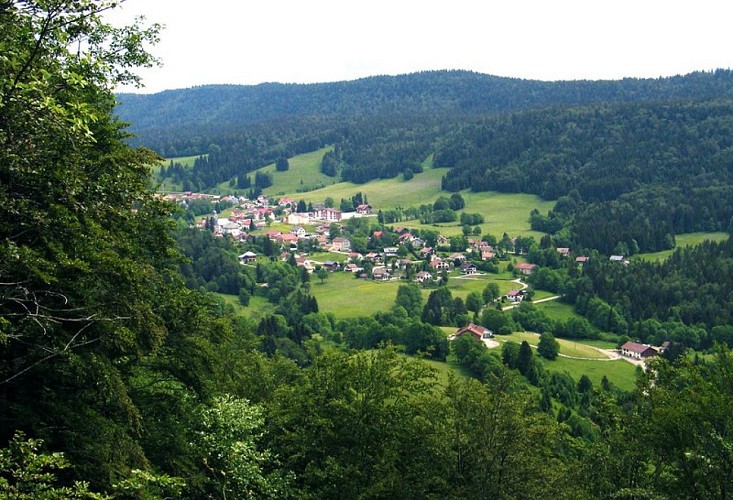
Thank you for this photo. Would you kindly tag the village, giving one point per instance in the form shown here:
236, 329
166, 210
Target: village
404, 256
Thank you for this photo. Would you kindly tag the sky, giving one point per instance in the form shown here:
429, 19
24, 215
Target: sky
312, 41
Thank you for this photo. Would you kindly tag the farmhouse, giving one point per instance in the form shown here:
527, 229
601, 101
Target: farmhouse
468, 268
286, 202
458, 257
380, 273
563, 251
515, 296
390, 251
423, 276
331, 265
477, 331
439, 264
298, 231
340, 244
353, 268
364, 209
304, 262
247, 257
637, 351
487, 254
525, 269
290, 239
426, 252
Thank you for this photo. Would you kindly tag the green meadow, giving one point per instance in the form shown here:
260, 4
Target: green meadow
567, 347
618, 371
682, 240
384, 194
557, 311
166, 185
346, 296
304, 174
503, 213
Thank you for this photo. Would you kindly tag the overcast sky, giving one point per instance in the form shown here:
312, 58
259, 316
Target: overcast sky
307, 41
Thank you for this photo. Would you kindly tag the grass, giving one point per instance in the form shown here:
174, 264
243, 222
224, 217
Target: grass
461, 287
325, 256
567, 347
348, 297
257, 308
503, 213
557, 310
186, 161
304, 174
166, 185
620, 373
682, 240
382, 194
601, 344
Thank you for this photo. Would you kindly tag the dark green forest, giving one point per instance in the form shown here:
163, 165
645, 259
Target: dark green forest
123, 376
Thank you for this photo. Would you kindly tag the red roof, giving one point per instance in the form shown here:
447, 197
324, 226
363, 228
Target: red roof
522, 265
477, 330
640, 349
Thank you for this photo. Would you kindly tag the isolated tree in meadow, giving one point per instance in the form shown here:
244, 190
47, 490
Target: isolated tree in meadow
322, 274
548, 347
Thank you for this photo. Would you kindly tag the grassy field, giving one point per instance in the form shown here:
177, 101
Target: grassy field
382, 194
304, 174
682, 240
567, 347
619, 372
324, 256
557, 311
167, 185
257, 308
348, 297
503, 213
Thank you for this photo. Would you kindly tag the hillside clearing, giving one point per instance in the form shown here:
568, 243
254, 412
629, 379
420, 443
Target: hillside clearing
682, 240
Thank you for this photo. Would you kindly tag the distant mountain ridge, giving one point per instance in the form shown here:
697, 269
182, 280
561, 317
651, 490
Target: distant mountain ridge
450, 92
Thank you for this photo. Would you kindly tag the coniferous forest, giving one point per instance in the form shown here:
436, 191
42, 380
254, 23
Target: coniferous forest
123, 376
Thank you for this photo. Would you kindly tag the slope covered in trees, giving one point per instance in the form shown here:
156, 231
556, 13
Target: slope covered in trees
628, 176
384, 126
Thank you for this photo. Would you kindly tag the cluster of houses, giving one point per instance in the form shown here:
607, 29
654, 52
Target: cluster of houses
249, 215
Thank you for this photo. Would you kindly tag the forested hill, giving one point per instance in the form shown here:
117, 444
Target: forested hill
629, 176
213, 109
